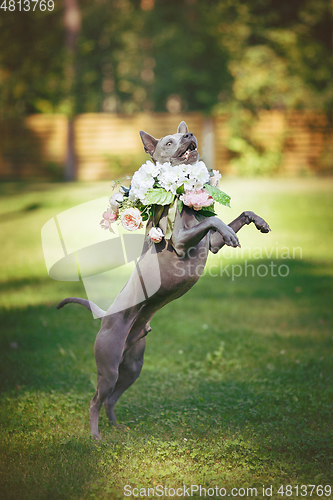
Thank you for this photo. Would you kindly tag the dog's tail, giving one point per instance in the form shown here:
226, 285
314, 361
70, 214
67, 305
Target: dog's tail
97, 311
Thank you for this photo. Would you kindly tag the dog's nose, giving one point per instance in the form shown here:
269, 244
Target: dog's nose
188, 135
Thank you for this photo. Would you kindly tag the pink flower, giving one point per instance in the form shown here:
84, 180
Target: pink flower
108, 218
131, 219
197, 199
105, 224
156, 234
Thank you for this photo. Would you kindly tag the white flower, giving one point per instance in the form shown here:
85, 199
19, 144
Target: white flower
194, 176
179, 172
141, 177
132, 195
215, 179
199, 173
115, 200
141, 183
168, 177
189, 182
150, 169
156, 234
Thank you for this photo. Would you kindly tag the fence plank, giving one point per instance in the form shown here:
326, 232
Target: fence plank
108, 145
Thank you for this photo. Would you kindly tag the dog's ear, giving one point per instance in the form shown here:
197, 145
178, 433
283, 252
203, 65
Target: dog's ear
182, 128
149, 142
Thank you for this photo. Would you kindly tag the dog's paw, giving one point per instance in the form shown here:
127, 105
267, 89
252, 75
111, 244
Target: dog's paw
96, 437
230, 238
262, 225
227, 233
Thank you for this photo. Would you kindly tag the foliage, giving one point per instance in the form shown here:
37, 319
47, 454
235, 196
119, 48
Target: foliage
251, 154
189, 55
236, 389
124, 164
159, 196
158, 55
32, 58
250, 161
218, 195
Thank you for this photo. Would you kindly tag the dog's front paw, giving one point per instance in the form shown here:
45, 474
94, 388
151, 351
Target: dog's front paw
228, 234
231, 240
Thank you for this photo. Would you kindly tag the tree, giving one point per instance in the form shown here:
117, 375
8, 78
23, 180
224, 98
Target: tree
72, 23
135, 55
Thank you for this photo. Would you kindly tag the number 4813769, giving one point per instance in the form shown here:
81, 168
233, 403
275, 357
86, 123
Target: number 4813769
305, 490
27, 5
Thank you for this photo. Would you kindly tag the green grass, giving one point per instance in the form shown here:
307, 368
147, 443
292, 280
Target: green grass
237, 385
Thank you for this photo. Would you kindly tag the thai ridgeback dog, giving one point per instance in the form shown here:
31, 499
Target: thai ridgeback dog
120, 342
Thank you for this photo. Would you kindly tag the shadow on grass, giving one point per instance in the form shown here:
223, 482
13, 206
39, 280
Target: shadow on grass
14, 188
40, 284
52, 345
45, 468
241, 368
13, 215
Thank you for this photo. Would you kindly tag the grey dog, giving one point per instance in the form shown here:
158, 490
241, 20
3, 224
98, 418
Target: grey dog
120, 343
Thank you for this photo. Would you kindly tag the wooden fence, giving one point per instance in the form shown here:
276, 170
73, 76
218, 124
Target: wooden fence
108, 146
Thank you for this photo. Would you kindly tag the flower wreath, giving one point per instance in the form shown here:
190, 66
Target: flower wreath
163, 184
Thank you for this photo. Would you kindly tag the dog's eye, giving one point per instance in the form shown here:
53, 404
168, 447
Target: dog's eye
169, 143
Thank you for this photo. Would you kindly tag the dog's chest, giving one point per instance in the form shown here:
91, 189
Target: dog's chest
178, 274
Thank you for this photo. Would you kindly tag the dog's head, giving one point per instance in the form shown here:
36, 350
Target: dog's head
177, 149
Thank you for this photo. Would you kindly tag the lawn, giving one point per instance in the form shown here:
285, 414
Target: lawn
237, 385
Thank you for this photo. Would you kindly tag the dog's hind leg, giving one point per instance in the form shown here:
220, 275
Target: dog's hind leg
106, 382
109, 347
129, 371
118, 333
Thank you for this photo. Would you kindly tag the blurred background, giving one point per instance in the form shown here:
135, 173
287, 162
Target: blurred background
237, 385
253, 79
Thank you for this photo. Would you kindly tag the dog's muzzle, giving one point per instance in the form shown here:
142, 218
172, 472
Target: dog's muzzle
187, 152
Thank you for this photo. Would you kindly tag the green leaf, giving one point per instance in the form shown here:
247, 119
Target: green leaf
209, 209
180, 205
159, 196
199, 216
218, 195
203, 214
180, 190
208, 213
152, 211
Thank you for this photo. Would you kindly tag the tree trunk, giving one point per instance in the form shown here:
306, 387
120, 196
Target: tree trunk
70, 164
72, 22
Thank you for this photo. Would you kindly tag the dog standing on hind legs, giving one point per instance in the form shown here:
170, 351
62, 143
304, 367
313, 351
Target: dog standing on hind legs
120, 343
